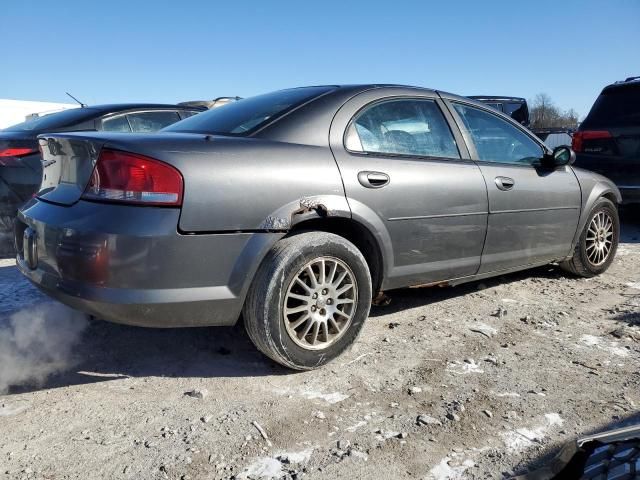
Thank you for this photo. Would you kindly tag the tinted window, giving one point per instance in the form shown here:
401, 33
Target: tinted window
247, 115
497, 140
116, 124
188, 113
516, 110
145, 122
62, 119
402, 127
615, 107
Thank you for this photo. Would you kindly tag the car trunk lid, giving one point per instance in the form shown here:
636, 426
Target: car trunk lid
67, 164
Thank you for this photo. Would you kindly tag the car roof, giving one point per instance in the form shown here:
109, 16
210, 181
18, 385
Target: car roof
497, 97
630, 82
118, 107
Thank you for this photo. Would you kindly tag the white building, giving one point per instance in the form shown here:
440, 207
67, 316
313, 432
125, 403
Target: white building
17, 111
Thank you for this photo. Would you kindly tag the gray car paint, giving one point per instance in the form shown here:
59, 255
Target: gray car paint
193, 266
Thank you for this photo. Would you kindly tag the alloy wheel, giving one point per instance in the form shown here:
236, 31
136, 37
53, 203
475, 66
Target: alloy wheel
320, 303
599, 239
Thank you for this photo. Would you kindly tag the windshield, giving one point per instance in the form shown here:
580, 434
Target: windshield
246, 116
62, 119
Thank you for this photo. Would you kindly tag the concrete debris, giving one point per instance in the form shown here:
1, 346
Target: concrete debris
200, 394
428, 420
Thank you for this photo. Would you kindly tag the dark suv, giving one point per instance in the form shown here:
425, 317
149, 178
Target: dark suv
515, 107
20, 168
608, 140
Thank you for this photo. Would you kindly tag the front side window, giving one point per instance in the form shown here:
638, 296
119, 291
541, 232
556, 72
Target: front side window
497, 140
402, 127
146, 122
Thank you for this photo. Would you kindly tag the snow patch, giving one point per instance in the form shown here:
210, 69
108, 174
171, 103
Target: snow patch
635, 285
356, 426
523, 438
448, 469
271, 467
265, 467
464, 368
597, 342
331, 398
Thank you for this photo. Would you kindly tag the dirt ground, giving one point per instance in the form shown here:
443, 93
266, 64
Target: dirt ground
479, 381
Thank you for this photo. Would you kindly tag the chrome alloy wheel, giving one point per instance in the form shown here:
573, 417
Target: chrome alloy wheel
599, 238
320, 303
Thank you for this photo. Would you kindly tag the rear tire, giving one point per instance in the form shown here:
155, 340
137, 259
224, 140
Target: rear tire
308, 279
593, 253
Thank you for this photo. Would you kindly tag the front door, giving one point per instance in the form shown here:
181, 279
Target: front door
405, 175
533, 211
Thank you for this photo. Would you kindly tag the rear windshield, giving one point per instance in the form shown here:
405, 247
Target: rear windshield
248, 115
62, 119
616, 107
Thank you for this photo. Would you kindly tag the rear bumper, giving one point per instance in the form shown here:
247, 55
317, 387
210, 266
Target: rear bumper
129, 264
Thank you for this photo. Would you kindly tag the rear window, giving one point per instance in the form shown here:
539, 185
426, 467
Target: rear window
66, 118
615, 107
247, 115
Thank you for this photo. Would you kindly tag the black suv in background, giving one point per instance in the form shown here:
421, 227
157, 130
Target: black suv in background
515, 107
20, 168
608, 140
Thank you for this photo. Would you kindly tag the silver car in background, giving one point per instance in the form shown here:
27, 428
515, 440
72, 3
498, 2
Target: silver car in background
295, 208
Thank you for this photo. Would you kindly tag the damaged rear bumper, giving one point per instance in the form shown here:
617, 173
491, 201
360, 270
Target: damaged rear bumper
130, 264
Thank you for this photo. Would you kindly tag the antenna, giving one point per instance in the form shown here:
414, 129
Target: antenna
78, 101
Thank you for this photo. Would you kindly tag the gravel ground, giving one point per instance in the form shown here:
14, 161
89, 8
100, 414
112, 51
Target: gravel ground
479, 381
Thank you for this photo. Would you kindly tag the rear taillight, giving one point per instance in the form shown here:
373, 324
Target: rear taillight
16, 152
9, 156
577, 142
132, 178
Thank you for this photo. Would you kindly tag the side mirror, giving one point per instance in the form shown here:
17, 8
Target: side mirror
563, 155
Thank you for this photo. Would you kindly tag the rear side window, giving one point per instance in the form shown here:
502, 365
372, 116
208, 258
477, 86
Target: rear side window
615, 107
118, 123
145, 122
402, 127
497, 140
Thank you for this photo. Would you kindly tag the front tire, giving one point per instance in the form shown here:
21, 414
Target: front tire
598, 242
309, 300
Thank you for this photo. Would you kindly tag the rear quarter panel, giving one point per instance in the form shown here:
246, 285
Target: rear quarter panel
244, 184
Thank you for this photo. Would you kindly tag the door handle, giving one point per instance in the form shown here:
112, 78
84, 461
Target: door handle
505, 183
373, 179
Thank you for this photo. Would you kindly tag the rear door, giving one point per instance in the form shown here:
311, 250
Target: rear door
608, 141
408, 175
533, 212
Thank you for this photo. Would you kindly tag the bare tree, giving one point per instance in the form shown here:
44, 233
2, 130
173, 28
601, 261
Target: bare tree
545, 114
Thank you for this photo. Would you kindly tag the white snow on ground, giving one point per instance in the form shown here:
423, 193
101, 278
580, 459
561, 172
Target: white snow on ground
635, 285
265, 467
463, 368
612, 347
447, 469
330, 398
271, 467
522, 438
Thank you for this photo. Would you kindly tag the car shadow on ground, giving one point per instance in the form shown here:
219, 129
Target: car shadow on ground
109, 351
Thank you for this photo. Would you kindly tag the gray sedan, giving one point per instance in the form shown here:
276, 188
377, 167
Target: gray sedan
294, 209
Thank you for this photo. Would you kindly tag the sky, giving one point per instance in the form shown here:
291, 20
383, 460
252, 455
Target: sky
171, 51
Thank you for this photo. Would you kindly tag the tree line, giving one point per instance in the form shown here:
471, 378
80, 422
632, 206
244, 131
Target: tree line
543, 113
